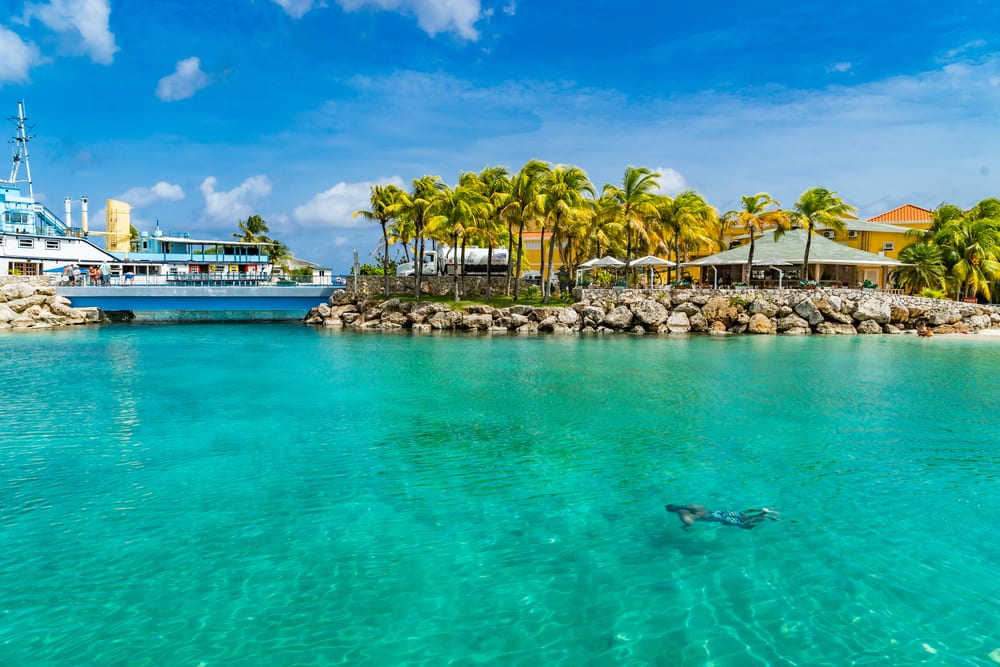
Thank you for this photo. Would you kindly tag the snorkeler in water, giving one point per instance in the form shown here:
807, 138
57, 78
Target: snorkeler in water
688, 514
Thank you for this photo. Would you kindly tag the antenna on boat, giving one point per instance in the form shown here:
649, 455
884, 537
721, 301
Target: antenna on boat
21, 139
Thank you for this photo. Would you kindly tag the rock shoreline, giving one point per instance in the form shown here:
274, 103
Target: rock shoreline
32, 303
679, 311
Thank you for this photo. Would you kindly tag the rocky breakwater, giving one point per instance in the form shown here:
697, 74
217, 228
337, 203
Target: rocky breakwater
720, 312
32, 303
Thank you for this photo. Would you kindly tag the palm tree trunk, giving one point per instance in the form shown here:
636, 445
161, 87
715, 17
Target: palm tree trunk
419, 249
548, 277
517, 264
489, 275
749, 267
385, 258
805, 260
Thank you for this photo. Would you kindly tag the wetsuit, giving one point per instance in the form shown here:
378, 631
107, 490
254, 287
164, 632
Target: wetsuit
728, 518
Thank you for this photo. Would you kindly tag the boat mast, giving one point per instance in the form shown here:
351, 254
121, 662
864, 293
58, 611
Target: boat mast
21, 139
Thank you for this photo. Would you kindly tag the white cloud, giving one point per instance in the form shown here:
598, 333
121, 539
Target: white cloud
839, 67
510, 8
186, 80
433, 16
162, 191
672, 182
334, 207
235, 204
86, 22
296, 8
17, 57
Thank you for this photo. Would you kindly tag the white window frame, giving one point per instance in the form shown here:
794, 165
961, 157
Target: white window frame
888, 246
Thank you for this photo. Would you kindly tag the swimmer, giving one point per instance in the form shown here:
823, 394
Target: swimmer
747, 519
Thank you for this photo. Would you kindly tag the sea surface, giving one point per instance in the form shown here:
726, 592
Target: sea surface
211, 495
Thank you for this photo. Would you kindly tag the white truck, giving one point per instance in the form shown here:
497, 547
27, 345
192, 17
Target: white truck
445, 261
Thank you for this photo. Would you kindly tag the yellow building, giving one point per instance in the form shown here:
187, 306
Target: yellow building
883, 234
533, 252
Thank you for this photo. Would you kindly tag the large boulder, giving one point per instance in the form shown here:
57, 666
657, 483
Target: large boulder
761, 324
944, 315
789, 322
477, 321
869, 327
568, 317
808, 311
678, 322
619, 317
719, 309
650, 312
874, 307
767, 308
836, 328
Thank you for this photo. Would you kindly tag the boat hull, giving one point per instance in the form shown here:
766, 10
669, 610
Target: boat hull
142, 303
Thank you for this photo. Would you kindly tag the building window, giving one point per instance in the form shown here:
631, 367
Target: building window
52, 244
26, 243
888, 246
24, 269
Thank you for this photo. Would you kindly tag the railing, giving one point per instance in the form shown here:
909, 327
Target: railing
200, 280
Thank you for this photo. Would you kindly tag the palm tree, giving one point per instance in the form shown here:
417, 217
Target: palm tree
633, 205
975, 243
817, 207
523, 208
418, 207
924, 268
685, 221
755, 215
458, 211
385, 201
252, 230
563, 204
493, 186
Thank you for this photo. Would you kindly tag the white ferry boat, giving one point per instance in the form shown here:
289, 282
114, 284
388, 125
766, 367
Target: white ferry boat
147, 276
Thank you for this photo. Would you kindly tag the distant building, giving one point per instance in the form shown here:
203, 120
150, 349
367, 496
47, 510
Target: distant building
533, 247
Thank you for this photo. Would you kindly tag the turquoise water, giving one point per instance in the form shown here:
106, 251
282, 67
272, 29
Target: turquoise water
280, 495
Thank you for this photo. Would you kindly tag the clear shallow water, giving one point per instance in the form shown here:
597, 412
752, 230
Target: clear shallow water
280, 495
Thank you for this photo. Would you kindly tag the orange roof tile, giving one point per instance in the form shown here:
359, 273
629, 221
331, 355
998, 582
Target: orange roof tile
904, 213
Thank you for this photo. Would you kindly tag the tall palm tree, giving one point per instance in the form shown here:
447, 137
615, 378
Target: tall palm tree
757, 213
493, 186
523, 208
633, 205
252, 230
458, 210
685, 221
817, 207
418, 207
923, 268
563, 204
385, 201
975, 242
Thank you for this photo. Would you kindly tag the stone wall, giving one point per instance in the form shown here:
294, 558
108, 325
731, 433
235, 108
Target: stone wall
473, 286
790, 312
32, 303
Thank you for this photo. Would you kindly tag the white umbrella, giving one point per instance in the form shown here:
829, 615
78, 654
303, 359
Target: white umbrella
600, 263
651, 261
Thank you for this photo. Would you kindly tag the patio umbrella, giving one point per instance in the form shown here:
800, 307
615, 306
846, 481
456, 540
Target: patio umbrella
651, 261
607, 262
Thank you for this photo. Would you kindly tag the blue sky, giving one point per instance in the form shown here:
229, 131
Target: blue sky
200, 114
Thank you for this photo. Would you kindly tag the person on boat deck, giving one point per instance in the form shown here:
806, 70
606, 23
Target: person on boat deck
105, 274
747, 519
67, 274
